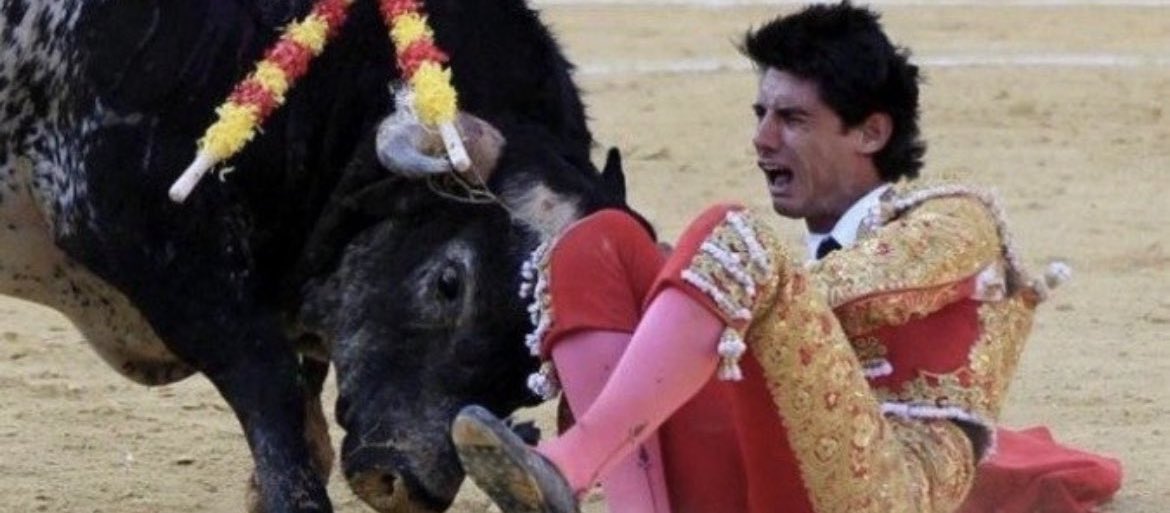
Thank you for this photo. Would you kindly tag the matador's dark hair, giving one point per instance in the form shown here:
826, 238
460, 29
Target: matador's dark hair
844, 51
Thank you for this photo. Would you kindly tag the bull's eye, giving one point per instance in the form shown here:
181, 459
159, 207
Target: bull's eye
449, 283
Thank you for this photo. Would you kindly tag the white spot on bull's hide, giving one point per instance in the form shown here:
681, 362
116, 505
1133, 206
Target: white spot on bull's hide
34, 268
43, 190
38, 61
25, 47
542, 209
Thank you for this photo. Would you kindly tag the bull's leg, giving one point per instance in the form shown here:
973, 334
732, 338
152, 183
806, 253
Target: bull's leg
313, 373
264, 387
35, 269
192, 275
316, 427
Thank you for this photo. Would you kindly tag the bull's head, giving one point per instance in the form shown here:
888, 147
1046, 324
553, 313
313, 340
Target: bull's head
424, 323
421, 307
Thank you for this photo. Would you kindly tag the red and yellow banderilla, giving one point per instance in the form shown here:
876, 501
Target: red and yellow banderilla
263, 91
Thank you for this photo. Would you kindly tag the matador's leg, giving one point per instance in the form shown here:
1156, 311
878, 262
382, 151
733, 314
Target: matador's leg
852, 458
730, 281
585, 362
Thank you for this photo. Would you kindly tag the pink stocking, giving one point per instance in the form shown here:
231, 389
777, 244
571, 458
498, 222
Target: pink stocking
671, 356
585, 360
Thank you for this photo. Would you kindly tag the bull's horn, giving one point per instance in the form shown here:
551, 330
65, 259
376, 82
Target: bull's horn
484, 145
405, 147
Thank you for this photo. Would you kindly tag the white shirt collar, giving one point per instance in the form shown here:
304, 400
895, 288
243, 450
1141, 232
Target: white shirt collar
845, 231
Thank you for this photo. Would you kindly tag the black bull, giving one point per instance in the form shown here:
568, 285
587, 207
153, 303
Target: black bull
309, 252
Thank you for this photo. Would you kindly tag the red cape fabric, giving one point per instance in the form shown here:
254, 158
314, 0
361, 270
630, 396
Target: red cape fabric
1032, 473
600, 270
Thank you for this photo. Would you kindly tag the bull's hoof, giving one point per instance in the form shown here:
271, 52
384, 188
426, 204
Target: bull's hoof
517, 478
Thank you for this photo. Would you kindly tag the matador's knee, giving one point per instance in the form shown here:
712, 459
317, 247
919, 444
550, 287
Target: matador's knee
734, 265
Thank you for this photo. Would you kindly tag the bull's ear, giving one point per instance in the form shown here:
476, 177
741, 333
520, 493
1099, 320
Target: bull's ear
352, 207
366, 189
389, 197
612, 176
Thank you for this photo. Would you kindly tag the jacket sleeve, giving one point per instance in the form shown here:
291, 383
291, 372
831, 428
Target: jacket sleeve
914, 265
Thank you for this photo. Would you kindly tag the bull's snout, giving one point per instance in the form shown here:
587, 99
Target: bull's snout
385, 491
382, 477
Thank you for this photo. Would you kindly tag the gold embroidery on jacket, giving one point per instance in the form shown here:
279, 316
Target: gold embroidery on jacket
869, 348
937, 463
852, 458
1004, 327
939, 243
895, 308
980, 387
934, 241
731, 266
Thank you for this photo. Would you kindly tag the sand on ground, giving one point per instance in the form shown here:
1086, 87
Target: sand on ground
1060, 108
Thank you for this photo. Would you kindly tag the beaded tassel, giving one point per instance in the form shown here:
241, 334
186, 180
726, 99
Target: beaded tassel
731, 348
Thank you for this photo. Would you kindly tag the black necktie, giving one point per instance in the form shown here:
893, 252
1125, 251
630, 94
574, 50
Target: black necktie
827, 246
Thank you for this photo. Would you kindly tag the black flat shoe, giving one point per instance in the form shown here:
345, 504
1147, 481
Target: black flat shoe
516, 477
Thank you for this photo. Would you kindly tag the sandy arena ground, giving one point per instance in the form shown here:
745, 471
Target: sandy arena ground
1061, 108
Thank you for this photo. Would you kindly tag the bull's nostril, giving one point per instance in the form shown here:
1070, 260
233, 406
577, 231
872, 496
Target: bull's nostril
378, 489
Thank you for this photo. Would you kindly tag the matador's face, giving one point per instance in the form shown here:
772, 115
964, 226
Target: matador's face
815, 167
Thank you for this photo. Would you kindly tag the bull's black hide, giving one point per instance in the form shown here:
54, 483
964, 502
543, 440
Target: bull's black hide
309, 250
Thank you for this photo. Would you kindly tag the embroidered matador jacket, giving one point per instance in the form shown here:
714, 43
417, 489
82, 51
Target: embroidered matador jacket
935, 304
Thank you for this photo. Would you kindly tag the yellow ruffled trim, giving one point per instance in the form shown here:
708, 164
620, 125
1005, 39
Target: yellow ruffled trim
408, 28
310, 33
434, 97
272, 78
234, 128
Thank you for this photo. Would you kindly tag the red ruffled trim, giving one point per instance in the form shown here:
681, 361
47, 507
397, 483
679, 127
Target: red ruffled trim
413, 56
252, 93
394, 8
290, 57
333, 12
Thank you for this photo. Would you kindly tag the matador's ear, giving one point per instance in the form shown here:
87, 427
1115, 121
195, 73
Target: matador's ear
876, 131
